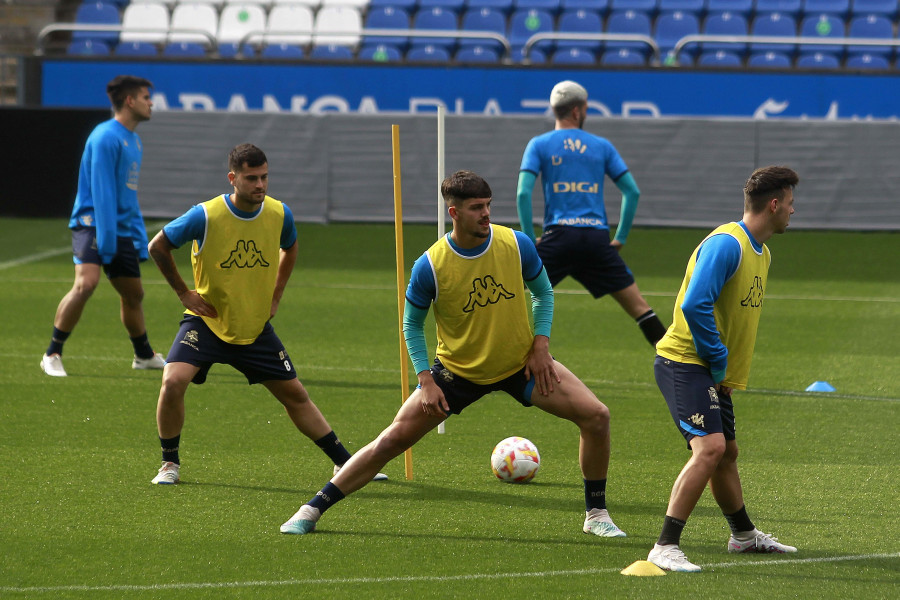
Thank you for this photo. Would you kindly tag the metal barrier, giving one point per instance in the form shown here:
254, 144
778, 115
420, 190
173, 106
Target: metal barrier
54, 27
787, 41
592, 37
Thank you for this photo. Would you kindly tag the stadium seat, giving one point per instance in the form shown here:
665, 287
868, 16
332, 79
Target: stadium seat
282, 51
824, 26
601, 7
579, 21
648, 7
483, 19
87, 47
535, 56
359, 5
630, 22
216, 3
818, 60
289, 25
887, 8
193, 16
331, 52
387, 17
573, 56
696, 7
454, 6
550, 6
769, 60
523, 24
239, 22
864, 61
379, 53
428, 53
671, 27
436, 19
145, 22
340, 25
791, 8
738, 7
136, 49
726, 23
96, 13
773, 25
875, 27
408, 5
719, 58
838, 8
184, 49
477, 55
623, 56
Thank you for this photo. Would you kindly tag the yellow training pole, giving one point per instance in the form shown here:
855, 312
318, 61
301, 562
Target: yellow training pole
398, 247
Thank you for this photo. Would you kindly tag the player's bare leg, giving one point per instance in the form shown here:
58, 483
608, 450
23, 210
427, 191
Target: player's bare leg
631, 300
305, 415
725, 482
68, 313
131, 298
707, 452
170, 406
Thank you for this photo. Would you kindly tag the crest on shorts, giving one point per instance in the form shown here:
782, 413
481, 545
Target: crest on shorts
191, 336
713, 396
446, 375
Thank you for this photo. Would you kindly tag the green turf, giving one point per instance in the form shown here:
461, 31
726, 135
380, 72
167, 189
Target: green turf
79, 518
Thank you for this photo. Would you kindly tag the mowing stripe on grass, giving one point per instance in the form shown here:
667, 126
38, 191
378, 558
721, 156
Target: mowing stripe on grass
417, 578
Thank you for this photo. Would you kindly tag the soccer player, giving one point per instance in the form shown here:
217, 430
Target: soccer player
706, 353
575, 241
475, 278
243, 252
107, 226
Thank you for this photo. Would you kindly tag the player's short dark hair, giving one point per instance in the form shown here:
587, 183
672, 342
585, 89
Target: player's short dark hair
767, 183
123, 86
564, 110
463, 185
245, 153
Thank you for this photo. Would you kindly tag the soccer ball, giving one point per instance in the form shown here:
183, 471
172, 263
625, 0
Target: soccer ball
515, 460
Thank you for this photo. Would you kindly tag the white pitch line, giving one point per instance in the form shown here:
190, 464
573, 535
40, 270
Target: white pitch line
24, 260
417, 578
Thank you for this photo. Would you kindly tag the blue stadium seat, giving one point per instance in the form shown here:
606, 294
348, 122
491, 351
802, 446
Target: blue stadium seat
504, 6
579, 21
875, 62
629, 22
483, 19
887, 8
824, 26
97, 13
455, 6
408, 5
525, 23
740, 7
648, 7
785, 7
726, 23
136, 49
387, 17
838, 8
875, 27
282, 52
601, 7
697, 7
774, 25
535, 56
184, 49
573, 56
818, 60
435, 19
478, 55
379, 53
428, 53
87, 47
551, 6
623, 56
671, 27
719, 58
769, 60
331, 52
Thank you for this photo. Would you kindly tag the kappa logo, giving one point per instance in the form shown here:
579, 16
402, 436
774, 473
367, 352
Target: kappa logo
245, 256
486, 291
697, 419
191, 336
446, 375
754, 297
574, 146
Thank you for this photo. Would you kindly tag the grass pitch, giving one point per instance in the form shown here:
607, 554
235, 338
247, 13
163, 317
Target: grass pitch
80, 519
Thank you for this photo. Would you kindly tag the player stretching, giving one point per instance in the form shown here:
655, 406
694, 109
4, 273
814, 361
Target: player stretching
573, 164
707, 352
475, 278
244, 250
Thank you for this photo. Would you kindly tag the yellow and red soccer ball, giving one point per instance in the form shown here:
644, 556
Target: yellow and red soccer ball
515, 460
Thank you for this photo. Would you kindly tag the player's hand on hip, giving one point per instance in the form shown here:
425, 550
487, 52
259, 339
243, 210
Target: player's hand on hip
432, 398
195, 303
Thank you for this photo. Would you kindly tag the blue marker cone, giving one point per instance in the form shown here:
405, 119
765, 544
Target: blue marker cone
820, 386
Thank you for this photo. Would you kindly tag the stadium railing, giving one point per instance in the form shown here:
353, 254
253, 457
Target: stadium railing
57, 27
787, 41
655, 57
